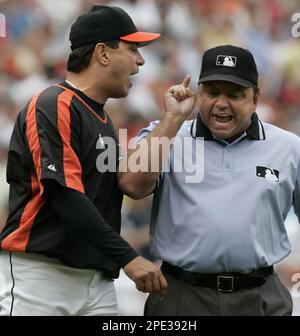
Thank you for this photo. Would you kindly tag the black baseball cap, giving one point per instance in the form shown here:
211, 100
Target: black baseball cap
229, 63
106, 23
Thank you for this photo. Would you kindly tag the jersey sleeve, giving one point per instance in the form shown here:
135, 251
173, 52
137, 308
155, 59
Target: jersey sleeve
52, 134
142, 134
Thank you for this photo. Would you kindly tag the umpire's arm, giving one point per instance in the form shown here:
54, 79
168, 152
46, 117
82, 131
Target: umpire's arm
179, 103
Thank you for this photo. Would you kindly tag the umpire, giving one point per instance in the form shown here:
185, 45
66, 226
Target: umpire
218, 239
61, 248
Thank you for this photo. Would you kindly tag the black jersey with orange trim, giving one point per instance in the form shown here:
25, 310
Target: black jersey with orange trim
56, 136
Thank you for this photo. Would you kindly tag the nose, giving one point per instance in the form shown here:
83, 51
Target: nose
222, 102
140, 60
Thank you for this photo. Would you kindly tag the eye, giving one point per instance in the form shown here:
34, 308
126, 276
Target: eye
235, 95
134, 48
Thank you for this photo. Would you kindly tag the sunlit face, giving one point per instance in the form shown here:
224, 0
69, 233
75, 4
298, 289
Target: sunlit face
226, 108
124, 62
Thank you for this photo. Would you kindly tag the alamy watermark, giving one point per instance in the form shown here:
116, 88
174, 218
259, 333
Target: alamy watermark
182, 155
2, 25
296, 26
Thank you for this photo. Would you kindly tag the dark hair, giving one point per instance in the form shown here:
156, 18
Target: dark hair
80, 58
256, 90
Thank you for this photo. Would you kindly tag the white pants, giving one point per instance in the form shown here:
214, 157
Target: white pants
35, 285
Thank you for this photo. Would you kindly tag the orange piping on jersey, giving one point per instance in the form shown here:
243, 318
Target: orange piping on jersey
72, 166
104, 121
17, 240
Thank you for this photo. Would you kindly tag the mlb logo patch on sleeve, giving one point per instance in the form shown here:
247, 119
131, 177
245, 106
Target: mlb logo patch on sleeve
224, 60
269, 174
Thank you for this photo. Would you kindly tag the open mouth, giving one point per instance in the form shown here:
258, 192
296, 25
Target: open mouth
133, 74
130, 77
220, 118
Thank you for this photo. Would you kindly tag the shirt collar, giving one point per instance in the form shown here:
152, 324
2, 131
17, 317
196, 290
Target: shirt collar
255, 131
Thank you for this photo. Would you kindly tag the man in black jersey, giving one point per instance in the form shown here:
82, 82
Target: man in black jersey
61, 248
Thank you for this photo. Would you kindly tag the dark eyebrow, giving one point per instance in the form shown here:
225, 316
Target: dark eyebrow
229, 86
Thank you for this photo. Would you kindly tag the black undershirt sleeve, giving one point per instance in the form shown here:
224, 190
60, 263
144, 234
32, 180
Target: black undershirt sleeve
80, 214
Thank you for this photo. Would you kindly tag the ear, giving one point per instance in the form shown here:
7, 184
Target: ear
101, 54
256, 95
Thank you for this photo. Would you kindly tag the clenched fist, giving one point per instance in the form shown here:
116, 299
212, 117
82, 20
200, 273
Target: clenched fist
147, 277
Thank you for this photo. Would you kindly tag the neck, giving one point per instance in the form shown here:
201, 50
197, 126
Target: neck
84, 82
230, 140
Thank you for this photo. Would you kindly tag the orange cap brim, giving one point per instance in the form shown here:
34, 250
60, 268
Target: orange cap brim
143, 38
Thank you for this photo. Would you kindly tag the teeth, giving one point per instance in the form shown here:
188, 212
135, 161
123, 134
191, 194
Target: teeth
222, 118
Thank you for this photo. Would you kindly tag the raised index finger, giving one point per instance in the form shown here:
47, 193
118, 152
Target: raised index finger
186, 81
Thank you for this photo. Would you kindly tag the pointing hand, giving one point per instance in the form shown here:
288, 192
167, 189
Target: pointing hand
180, 100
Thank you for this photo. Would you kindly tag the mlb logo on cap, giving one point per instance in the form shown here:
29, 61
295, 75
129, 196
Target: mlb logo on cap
229, 61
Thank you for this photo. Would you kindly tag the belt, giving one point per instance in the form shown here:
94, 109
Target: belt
223, 282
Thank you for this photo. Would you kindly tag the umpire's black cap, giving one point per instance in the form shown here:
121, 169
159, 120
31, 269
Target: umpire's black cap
106, 23
229, 63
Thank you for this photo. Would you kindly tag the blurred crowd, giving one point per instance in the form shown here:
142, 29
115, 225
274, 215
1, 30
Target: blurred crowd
35, 51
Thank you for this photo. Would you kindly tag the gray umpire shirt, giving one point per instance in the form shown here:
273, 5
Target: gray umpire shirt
231, 217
